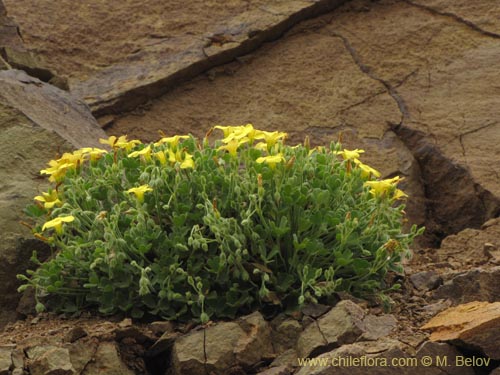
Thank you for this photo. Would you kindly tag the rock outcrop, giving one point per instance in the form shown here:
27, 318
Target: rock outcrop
37, 121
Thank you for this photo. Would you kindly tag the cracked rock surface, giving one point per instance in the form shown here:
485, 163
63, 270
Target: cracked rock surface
413, 85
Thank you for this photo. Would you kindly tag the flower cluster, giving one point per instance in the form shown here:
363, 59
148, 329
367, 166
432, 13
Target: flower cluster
185, 229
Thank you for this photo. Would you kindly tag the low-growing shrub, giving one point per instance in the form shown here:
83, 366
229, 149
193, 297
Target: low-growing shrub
186, 230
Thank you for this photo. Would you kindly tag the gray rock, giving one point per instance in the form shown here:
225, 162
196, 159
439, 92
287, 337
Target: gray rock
378, 326
426, 280
38, 120
343, 324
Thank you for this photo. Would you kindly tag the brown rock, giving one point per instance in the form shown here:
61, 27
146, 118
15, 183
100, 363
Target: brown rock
285, 335
473, 246
343, 324
107, 361
477, 284
223, 346
39, 121
54, 361
74, 334
281, 370
444, 357
376, 327
81, 353
475, 325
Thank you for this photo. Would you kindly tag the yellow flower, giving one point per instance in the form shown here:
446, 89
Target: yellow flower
239, 133
350, 154
271, 137
49, 199
57, 223
160, 155
139, 192
261, 146
227, 130
400, 194
272, 160
120, 142
188, 161
56, 170
379, 188
93, 152
232, 146
172, 141
366, 170
145, 152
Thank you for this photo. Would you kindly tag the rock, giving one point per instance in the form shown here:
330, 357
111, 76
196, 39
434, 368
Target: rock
39, 121
160, 327
256, 344
223, 346
426, 280
444, 358
376, 327
285, 335
280, 370
343, 324
13, 53
107, 361
163, 344
315, 310
477, 284
472, 246
288, 357
475, 326
54, 361
188, 352
74, 334
359, 358
81, 353
5, 361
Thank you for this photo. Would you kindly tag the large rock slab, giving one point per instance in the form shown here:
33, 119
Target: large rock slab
156, 52
475, 326
37, 121
414, 88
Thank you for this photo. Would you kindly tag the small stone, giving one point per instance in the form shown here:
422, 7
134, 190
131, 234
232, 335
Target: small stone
35, 320
75, 334
315, 310
426, 280
127, 322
